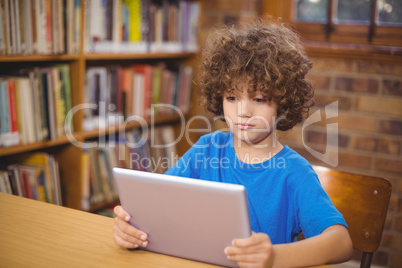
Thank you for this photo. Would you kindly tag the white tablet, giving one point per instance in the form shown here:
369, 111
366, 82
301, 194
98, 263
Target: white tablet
187, 218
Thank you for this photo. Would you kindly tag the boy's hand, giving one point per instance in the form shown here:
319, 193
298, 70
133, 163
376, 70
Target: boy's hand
253, 251
124, 234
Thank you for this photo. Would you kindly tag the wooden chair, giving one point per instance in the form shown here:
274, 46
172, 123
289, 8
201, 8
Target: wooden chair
363, 201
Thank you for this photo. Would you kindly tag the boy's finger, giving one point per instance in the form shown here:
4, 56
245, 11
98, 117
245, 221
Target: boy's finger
123, 243
129, 229
233, 250
128, 237
121, 213
254, 239
246, 258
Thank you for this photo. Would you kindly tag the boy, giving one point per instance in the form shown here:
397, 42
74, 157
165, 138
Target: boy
255, 78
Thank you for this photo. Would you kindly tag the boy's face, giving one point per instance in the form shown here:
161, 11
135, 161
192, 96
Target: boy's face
250, 116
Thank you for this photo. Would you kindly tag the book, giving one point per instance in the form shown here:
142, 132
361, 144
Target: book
15, 179
43, 96
77, 26
65, 96
2, 32
56, 182
33, 176
48, 89
15, 139
85, 180
5, 186
147, 71
126, 78
40, 159
9, 134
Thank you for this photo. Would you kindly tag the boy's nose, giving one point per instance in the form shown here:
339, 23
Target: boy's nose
244, 109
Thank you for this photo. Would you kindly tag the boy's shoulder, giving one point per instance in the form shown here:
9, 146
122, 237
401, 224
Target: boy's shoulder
295, 162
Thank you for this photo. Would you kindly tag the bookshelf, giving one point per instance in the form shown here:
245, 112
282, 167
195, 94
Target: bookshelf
79, 60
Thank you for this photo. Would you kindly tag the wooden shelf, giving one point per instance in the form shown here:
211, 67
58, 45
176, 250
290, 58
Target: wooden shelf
127, 56
95, 56
164, 119
26, 58
31, 147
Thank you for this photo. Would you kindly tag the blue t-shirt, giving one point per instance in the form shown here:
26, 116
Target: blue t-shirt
284, 194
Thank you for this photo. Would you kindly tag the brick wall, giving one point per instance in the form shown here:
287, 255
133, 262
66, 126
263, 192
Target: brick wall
369, 102
369, 96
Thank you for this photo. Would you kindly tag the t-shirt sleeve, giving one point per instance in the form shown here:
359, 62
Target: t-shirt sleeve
315, 211
187, 165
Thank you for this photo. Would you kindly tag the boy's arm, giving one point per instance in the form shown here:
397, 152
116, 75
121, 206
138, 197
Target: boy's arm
333, 245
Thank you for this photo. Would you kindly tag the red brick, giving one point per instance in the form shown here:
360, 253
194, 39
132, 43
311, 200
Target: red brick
398, 224
391, 241
389, 146
395, 260
392, 88
400, 204
379, 68
380, 258
388, 165
317, 137
393, 203
390, 106
356, 122
399, 189
391, 127
356, 85
386, 240
320, 82
294, 134
355, 161
344, 103
388, 222
366, 143
333, 65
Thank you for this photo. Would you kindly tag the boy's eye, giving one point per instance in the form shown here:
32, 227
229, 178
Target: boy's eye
231, 98
260, 100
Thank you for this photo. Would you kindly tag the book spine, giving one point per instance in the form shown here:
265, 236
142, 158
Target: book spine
77, 25
42, 90
4, 113
34, 84
2, 36
59, 104
19, 26
48, 27
15, 139
7, 26
134, 8
13, 30
54, 25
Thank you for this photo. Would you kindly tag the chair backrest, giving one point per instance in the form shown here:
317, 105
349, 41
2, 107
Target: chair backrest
363, 201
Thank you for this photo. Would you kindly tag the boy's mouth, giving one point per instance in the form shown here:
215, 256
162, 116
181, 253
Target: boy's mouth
244, 126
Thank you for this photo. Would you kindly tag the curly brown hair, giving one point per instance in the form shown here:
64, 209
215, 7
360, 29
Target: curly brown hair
270, 58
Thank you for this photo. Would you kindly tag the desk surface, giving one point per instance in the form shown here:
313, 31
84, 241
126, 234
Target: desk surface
37, 234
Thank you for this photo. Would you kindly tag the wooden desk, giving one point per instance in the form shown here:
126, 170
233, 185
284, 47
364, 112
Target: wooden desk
37, 234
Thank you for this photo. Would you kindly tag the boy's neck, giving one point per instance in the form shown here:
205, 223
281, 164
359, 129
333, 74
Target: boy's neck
256, 153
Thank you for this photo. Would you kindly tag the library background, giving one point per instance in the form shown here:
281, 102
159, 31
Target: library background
81, 93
